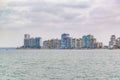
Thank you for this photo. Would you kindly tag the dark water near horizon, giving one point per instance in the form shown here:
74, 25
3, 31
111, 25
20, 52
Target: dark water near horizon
7, 48
59, 64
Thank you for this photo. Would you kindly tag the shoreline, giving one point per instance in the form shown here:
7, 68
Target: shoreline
61, 49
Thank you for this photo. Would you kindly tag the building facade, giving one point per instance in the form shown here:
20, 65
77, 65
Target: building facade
74, 43
89, 41
112, 42
32, 42
52, 44
67, 42
64, 40
79, 43
84, 42
118, 42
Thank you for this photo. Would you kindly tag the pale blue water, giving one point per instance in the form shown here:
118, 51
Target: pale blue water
60, 65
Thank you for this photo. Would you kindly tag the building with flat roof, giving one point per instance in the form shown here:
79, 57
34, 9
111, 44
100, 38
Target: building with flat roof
52, 44
32, 42
88, 41
64, 40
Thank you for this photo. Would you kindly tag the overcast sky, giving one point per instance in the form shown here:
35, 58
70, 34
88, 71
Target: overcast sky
50, 18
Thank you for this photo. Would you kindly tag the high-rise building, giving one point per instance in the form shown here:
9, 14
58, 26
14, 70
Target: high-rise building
69, 43
38, 42
94, 43
112, 42
118, 42
89, 41
31, 42
26, 40
64, 39
74, 43
57, 43
27, 36
84, 42
45, 44
79, 43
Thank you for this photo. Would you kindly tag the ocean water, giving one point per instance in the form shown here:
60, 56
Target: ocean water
59, 64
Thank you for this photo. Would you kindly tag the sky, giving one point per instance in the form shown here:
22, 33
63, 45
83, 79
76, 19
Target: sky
50, 18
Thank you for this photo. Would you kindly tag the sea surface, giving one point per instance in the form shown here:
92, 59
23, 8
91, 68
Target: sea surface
59, 64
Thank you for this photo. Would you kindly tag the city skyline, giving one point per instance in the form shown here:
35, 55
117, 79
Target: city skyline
50, 18
66, 42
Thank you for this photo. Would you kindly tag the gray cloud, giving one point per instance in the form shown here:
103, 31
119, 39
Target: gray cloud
81, 5
47, 10
40, 17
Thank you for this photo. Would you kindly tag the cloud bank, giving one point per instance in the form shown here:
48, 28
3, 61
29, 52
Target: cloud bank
41, 18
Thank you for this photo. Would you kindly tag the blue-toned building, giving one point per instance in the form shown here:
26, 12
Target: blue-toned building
26, 40
38, 42
84, 42
87, 41
69, 43
64, 40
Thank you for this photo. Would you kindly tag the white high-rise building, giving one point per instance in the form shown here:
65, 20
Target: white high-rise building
112, 41
32, 42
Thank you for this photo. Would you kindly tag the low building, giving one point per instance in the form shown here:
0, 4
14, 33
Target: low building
99, 45
52, 44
